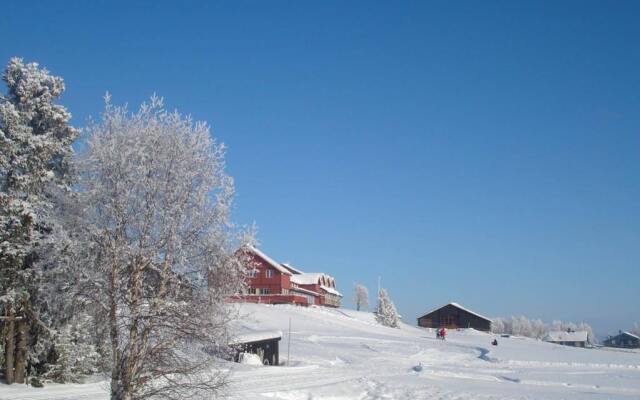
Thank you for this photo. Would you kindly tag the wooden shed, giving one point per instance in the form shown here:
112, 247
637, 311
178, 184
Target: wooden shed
265, 344
454, 316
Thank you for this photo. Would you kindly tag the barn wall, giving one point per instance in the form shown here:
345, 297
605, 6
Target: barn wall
452, 317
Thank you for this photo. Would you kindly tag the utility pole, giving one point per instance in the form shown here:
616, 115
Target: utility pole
289, 343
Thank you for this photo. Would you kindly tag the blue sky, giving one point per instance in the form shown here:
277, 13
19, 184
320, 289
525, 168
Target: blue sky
479, 152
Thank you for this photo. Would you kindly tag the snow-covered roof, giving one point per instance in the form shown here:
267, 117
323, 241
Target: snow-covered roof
269, 260
459, 307
564, 336
330, 290
247, 336
627, 333
631, 334
306, 278
292, 268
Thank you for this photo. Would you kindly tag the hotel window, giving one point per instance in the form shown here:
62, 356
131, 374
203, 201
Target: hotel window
269, 273
253, 273
252, 291
265, 291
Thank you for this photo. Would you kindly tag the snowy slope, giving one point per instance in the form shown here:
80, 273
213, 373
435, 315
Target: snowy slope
344, 354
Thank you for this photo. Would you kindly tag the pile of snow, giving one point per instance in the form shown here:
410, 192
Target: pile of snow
249, 359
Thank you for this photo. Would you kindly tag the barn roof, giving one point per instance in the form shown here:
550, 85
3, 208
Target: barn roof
564, 336
269, 260
458, 306
629, 334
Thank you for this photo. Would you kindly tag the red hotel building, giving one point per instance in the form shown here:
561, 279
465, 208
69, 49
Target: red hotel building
274, 283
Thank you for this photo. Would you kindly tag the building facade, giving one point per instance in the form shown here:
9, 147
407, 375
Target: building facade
454, 316
624, 340
271, 282
568, 338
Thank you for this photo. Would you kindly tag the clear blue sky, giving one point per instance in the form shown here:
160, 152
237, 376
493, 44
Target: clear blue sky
482, 152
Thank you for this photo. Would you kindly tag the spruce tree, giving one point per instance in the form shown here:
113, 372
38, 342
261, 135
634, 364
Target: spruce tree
35, 147
386, 313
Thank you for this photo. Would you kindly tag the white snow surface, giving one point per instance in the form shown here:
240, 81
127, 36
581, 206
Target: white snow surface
339, 354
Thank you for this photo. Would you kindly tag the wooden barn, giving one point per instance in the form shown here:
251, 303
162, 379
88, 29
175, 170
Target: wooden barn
623, 340
265, 344
454, 316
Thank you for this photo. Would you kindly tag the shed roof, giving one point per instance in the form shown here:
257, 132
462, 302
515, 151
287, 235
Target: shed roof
564, 336
456, 305
250, 336
269, 260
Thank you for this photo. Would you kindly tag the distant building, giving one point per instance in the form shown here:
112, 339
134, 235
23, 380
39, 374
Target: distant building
273, 283
624, 340
453, 316
568, 338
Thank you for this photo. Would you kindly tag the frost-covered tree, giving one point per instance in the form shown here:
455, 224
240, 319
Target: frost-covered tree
360, 296
74, 351
591, 337
157, 203
386, 313
498, 325
35, 148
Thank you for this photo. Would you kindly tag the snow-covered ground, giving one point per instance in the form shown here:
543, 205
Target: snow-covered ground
344, 354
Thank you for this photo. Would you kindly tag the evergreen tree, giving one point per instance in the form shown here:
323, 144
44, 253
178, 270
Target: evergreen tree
35, 147
386, 313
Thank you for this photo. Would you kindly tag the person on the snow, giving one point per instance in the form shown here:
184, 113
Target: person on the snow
495, 342
443, 333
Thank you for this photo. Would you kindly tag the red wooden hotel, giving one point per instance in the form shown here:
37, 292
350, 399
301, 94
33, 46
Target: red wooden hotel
275, 283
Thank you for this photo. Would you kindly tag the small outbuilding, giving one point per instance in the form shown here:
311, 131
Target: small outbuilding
264, 344
625, 340
454, 316
568, 338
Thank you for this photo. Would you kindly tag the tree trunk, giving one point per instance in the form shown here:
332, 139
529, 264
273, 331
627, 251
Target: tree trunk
9, 347
21, 352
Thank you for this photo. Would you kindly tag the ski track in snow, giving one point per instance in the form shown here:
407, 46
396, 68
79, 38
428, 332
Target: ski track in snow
344, 355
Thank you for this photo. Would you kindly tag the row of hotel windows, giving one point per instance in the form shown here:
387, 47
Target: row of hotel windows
254, 273
259, 291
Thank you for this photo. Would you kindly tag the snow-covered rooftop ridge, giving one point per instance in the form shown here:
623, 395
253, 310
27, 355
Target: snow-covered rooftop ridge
292, 268
269, 260
564, 336
630, 334
330, 290
306, 278
255, 336
460, 307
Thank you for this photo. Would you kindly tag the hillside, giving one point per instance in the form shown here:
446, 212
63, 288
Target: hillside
345, 354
